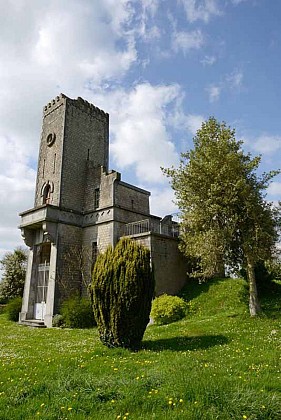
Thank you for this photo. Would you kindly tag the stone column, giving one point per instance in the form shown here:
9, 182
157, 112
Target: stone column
25, 310
51, 287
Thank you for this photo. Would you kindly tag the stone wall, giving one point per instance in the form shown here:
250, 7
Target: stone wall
170, 266
86, 138
69, 244
131, 198
50, 155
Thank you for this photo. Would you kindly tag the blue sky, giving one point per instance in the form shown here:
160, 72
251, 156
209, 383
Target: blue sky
159, 67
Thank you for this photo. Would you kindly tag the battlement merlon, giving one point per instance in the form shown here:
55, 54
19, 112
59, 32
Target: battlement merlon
79, 103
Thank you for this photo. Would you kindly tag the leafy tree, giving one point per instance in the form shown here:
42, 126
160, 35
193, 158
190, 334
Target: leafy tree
13, 278
225, 219
122, 290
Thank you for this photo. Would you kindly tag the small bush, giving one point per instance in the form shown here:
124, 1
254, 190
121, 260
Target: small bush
167, 309
77, 312
58, 320
13, 309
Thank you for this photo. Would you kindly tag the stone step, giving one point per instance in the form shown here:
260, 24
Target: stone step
33, 323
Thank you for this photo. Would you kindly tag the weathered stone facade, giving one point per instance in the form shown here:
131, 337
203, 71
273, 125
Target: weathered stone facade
80, 208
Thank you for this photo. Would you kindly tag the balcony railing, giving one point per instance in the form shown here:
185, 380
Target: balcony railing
147, 225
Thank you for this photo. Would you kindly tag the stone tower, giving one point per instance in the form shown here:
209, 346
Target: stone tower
74, 137
80, 208
74, 132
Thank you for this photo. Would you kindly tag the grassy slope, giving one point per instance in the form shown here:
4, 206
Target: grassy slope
215, 364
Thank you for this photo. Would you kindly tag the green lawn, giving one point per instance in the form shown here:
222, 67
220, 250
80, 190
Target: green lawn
217, 363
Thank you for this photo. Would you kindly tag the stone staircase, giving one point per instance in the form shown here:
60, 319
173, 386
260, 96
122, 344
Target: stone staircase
33, 323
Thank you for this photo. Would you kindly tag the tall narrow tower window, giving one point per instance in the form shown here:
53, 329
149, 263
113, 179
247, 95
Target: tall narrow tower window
97, 198
43, 168
54, 167
47, 194
95, 253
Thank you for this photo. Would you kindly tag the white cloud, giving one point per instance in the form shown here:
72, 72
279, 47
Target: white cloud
161, 202
274, 189
231, 82
182, 121
194, 122
17, 183
267, 144
58, 46
236, 2
214, 92
47, 48
208, 60
201, 9
147, 30
140, 128
235, 79
185, 41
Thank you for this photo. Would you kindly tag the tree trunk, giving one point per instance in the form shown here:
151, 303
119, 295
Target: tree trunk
254, 305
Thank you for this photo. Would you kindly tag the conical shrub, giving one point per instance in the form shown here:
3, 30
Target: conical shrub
122, 290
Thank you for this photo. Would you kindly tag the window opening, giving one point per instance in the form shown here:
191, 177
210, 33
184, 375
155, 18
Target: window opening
97, 198
44, 168
95, 253
47, 194
54, 168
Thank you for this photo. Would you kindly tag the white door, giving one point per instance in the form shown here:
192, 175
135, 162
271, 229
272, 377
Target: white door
42, 288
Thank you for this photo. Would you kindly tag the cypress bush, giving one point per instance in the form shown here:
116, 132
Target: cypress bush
122, 290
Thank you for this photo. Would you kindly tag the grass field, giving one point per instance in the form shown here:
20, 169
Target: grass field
217, 363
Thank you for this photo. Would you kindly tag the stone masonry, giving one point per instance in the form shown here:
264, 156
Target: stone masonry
80, 208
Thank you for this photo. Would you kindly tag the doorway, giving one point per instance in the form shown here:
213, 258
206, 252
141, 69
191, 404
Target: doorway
43, 269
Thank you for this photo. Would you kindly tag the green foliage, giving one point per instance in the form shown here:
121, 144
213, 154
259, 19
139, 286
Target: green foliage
14, 269
225, 219
122, 290
13, 308
274, 267
216, 297
166, 309
77, 312
58, 321
263, 275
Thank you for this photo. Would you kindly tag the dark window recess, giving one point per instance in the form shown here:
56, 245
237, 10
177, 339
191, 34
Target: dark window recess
47, 194
95, 253
97, 198
54, 166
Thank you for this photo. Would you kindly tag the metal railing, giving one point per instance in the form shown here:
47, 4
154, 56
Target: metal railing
146, 225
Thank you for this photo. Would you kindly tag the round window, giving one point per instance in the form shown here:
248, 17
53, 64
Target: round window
51, 138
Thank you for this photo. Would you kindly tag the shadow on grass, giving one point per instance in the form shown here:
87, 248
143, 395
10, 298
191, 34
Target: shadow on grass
270, 298
185, 343
194, 288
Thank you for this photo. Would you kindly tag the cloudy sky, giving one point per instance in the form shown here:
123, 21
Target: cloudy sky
158, 67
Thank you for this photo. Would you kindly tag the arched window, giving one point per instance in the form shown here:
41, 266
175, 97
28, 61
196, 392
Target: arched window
46, 194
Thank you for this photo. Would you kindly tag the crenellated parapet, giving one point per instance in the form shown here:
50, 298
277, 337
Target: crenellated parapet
54, 104
89, 108
79, 103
